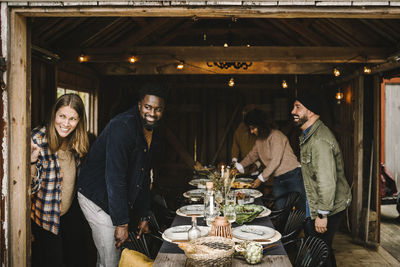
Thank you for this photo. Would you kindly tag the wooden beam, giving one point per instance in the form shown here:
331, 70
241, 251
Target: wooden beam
214, 11
254, 54
110, 27
202, 68
143, 33
19, 123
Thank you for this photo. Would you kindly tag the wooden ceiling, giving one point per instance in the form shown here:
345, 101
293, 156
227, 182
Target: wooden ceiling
274, 46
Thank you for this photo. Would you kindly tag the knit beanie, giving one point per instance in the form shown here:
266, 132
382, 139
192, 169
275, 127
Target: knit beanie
310, 101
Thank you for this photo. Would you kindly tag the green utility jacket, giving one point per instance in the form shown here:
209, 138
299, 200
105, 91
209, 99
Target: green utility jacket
323, 171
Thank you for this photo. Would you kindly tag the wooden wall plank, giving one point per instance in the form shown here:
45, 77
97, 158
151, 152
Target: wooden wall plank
357, 191
19, 101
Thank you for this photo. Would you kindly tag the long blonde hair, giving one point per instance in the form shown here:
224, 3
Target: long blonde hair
78, 140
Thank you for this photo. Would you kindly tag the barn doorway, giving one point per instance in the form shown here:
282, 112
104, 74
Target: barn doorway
279, 70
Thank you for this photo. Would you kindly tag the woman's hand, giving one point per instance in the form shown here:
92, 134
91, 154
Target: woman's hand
34, 151
256, 183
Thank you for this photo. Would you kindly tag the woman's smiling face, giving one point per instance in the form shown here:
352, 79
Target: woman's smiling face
66, 121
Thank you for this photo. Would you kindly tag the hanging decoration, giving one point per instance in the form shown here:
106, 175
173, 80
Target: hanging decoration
228, 64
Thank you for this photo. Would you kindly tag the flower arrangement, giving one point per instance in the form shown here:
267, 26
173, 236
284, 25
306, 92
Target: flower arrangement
223, 180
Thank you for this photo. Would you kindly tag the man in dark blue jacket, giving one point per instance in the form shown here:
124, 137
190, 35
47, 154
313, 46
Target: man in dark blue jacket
115, 176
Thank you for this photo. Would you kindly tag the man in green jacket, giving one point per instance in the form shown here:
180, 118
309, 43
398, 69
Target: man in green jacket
327, 190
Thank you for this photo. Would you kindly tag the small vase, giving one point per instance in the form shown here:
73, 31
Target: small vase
221, 227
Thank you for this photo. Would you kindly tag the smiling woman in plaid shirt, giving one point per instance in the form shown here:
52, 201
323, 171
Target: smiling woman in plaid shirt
56, 150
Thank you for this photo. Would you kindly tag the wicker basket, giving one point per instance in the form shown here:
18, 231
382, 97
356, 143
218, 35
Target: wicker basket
221, 252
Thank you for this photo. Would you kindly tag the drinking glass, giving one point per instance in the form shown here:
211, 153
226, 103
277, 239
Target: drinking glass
230, 199
230, 213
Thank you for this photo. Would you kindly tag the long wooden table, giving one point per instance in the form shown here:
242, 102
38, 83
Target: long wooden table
171, 255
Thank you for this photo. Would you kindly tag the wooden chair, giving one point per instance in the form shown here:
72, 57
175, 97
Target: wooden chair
313, 252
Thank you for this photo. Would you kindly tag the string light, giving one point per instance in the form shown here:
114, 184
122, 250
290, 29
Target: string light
367, 70
180, 65
82, 58
225, 44
339, 96
336, 72
132, 59
231, 82
284, 84
248, 45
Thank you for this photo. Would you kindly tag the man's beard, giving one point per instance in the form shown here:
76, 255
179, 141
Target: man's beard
149, 126
301, 121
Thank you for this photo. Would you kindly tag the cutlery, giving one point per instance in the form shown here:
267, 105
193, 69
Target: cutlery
181, 230
270, 246
252, 231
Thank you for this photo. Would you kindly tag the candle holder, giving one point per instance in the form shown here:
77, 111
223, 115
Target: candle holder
221, 227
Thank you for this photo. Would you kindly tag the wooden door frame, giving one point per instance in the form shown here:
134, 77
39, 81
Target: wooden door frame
19, 88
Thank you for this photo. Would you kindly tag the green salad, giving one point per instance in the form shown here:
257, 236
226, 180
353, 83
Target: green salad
247, 213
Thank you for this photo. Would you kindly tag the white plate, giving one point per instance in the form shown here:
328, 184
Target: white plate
195, 193
179, 233
267, 233
276, 237
252, 192
199, 183
264, 213
244, 180
191, 210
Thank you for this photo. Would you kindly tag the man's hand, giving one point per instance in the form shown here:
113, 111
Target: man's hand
120, 235
143, 228
321, 225
256, 183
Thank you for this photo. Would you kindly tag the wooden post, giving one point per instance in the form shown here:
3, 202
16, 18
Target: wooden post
356, 206
377, 159
19, 126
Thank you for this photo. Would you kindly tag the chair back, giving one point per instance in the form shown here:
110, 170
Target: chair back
280, 216
293, 226
139, 245
313, 252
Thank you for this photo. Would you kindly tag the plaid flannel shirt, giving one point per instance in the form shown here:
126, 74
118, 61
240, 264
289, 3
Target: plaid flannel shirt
46, 187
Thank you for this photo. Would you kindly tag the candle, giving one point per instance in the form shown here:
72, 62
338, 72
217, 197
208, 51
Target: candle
222, 171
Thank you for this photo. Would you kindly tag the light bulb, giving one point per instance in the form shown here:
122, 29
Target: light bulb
231, 82
225, 44
82, 58
339, 96
284, 84
132, 59
180, 65
367, 70
336, 72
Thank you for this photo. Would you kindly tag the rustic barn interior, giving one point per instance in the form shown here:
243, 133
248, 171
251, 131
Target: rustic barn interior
203, 110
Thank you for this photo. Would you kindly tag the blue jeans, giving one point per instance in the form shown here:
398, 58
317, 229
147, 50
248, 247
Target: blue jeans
291, 181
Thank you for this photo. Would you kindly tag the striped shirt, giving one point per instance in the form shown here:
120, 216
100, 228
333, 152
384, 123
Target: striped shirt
46, 187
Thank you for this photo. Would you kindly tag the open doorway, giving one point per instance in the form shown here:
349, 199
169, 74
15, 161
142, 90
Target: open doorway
213, 90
